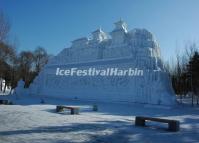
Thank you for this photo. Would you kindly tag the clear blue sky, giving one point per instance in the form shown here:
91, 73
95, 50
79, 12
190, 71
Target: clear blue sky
53, 24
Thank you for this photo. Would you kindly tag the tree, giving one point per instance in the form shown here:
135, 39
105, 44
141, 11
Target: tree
31, 63
4, 27
184, 72
26, 59
7, 59
40, 58
193, 71
3, 71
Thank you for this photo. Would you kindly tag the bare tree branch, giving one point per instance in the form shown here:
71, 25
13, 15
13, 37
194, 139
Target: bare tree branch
4, 27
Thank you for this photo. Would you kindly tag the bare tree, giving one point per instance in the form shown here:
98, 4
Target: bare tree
7, 58
40, 58
4, 27
190, 49
26, 59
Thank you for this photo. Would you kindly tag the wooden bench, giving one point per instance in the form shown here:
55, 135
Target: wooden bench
173, 125
73, 110
5, 102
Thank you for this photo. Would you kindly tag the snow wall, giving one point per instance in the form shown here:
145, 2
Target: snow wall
121, 49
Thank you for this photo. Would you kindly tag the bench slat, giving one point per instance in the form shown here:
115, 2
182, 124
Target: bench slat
74, 110
156, 119
173, 125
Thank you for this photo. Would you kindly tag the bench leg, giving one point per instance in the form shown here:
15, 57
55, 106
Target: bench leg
174, 126
59, 109
139, 122
74, 111
95, 108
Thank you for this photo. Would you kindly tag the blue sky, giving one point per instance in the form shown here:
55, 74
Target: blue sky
53, 24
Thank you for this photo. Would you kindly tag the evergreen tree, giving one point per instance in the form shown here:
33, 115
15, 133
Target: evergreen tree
193, 72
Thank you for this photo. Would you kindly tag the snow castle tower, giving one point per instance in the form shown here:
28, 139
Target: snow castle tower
121, 49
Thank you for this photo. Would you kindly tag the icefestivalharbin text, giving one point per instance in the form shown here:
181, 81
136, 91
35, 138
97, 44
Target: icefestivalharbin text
99, 72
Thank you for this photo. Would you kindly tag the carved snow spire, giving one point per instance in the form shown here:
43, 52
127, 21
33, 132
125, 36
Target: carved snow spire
99, 35
119, 33
81, 42
121, 25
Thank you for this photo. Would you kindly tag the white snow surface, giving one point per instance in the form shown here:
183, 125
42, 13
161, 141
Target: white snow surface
28, 121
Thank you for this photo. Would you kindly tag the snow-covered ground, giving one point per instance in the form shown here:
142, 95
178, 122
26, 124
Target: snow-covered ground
32, 122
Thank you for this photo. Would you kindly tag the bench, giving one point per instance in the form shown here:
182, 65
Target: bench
73, 110
5, 102
173, 125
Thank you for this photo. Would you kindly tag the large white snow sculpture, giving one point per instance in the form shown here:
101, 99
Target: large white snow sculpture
122, 48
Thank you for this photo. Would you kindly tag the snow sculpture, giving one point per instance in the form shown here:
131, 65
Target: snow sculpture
19, 90
123, 49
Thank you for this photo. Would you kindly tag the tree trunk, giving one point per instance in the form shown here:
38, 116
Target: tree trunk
181, 98
1, 85
10, 90
192, 99
4, 90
